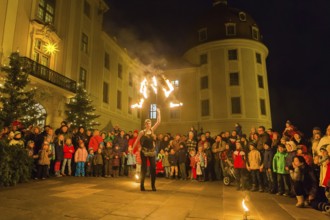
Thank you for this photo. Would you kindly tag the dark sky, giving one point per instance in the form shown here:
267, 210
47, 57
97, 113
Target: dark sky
296, 32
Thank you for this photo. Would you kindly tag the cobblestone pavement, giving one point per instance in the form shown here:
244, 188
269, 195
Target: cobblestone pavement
108, 198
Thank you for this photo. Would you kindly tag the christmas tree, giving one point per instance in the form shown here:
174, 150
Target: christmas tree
81, 111
17, 101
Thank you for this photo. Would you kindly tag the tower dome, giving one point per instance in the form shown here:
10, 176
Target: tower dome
224, 22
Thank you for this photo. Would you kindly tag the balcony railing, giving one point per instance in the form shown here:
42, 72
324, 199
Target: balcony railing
44, 73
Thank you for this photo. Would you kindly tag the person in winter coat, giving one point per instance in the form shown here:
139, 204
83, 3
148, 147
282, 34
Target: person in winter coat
59, 155
17, 140
283, 178
239, 159
89, 162
253, 165
68, 151
267, 158
304, 181
182, 157
108, 156
98, 163
218, 147
43, 161
95, 141
80, 157
173, 159
131, 161
116, 161
201, 163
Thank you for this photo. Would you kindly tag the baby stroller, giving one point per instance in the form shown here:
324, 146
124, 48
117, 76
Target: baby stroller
229, 173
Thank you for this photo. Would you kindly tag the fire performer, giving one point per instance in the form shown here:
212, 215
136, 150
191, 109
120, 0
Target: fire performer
148, 151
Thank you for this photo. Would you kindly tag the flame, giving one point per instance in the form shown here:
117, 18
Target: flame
143, 88
154, 84
173, 105
137, 176
170, 88
138, 105
246, 209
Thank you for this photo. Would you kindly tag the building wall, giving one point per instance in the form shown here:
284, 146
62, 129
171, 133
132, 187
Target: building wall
19, 29
219, 91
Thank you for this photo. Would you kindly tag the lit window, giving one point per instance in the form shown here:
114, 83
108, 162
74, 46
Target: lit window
263, 106
153, 111
84, 43
205, 104
202, 34
230, 29
175, 83
118, 99
175, 113
120, 71
82, 77
204, 82
87, 9
233, 79
105, 92
39, 53
255, 33
236, 105
203, 59
260, 82
258, 58
232, 54
46, 11
106, 60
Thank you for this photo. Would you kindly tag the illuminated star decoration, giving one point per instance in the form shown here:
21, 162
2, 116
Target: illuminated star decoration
50, 48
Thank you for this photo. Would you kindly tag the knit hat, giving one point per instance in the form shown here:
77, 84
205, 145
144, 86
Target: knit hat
253, 144
288, 122
136, 131
17, 132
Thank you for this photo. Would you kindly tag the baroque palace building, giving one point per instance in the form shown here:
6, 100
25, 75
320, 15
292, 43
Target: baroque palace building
223, 80
85, 54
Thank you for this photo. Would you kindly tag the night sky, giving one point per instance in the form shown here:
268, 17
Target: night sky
296, 32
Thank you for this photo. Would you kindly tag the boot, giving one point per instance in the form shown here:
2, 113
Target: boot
142, 187
254, 188
260, 189
300, 201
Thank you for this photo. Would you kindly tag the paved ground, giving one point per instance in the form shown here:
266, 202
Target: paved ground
100, 198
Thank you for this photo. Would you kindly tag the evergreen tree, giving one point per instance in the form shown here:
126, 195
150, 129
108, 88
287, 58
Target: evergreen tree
17, 101
80, 110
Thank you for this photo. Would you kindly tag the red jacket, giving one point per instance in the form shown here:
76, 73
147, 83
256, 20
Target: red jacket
68, 151
94, 142
239, 159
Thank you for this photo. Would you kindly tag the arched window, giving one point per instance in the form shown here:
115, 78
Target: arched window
42, 114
